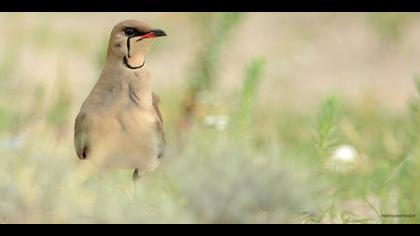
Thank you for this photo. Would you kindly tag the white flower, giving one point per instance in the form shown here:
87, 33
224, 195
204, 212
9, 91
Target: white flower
218, 122
343, 159
210, 120
345, 153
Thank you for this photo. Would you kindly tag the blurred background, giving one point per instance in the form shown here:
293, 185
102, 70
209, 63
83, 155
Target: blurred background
270, 118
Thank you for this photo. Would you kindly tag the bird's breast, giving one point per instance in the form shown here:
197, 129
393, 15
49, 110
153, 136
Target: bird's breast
125, 138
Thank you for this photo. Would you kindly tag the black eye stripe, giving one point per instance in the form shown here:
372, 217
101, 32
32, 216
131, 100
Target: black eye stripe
130, 32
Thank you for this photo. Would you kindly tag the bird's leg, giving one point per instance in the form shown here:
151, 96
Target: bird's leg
136, 177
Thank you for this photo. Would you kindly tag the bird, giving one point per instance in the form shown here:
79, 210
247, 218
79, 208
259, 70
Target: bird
119, 125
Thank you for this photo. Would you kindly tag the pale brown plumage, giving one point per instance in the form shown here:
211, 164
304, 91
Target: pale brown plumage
119, 124
159, 125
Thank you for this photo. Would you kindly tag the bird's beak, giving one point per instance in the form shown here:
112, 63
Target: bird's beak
153, 34
158, 33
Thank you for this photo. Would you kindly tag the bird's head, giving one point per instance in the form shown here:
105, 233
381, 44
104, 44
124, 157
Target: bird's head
130, 41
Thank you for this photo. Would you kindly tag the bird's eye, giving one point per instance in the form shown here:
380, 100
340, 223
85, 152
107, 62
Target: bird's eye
129, 31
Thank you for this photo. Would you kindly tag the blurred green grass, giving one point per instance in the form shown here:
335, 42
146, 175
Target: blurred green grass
252, 162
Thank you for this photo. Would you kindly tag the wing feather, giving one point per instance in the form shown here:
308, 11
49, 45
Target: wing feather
159, 124
80, 137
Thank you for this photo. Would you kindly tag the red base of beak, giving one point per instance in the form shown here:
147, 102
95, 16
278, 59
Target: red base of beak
149, 35
153, 34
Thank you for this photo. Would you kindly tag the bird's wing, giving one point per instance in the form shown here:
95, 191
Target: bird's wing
159, 124
80, 137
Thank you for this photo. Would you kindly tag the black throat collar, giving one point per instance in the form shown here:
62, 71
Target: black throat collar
125, 61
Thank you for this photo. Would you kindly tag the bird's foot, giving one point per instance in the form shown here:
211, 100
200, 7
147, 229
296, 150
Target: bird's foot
136, 175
